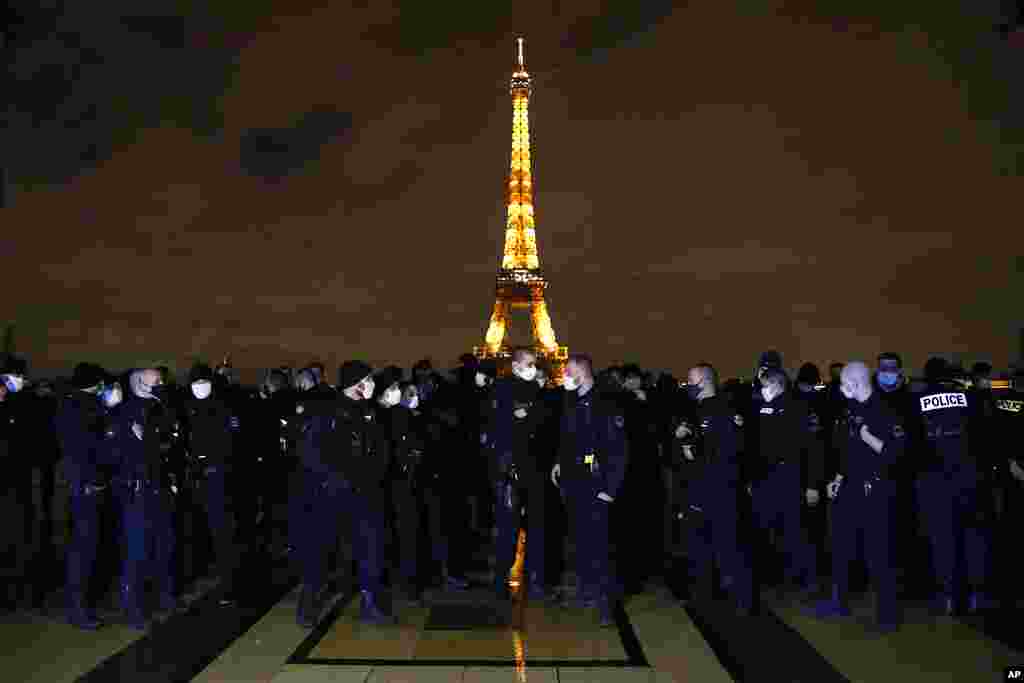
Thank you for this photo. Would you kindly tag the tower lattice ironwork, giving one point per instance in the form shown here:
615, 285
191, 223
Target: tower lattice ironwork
520, 281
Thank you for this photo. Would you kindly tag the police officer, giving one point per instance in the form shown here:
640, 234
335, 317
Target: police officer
346, 454
144, 493
210, 429
949, 489
592, 460
715, 491
783, 456
16, 487
311, 398
80, 429
516, 414
863, 493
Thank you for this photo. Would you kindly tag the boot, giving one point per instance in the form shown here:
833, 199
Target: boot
604, 612
81, 617
132, 609
306, 615
370, 613
831, 607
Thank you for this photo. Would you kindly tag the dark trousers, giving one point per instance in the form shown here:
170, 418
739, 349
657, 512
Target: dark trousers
715, 534
85, 538
412, 507
332, 508
868, 517
950, 508
221, 521
147, 522
778, 506
589, 519
527, 493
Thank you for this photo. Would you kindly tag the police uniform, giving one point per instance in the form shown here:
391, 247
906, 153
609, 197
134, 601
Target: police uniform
714, 501
210, 429
949, 492
785, 454
865, 505
346, 454
515, 474
145, 501
1008, 435
80, 429
592, 459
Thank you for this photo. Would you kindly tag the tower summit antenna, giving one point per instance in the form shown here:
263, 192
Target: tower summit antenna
520, 42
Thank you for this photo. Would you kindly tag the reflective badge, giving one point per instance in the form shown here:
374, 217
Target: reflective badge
897, 431
940, 401
1009, 405
767, 410
588, 459
619, 421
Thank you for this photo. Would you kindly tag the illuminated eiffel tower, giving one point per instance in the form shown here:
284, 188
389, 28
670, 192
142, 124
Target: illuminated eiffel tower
520, 282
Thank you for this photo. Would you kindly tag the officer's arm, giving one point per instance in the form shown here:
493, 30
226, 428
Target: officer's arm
616, 454
316, 452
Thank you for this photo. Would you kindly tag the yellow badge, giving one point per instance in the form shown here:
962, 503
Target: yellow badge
588, 459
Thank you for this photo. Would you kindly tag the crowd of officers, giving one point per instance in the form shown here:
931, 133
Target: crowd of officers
722, 488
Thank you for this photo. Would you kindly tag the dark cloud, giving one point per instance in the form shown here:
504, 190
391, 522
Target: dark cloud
274, 153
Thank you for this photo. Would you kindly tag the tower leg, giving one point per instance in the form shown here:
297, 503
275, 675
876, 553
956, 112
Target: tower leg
497, 327
543, 334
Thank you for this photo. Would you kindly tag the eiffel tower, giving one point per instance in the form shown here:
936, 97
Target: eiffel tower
520, 282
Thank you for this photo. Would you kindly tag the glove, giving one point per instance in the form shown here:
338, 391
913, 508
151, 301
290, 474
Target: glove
812, 497
833, 487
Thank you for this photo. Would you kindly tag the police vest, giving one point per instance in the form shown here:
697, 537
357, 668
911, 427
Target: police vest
943, 414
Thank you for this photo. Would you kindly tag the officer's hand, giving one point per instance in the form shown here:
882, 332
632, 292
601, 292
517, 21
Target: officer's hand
812, 497
865, 434
520, 413
688, 452
137, 430
605, 497
750, 490
683, 431
556, 472
832, 489
641, 394
483, 439
1016, 470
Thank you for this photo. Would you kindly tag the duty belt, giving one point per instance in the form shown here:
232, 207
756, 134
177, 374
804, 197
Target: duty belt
940, 433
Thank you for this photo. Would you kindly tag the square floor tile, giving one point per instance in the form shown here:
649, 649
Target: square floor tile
416, 674
510, 675
306, 673
607, 675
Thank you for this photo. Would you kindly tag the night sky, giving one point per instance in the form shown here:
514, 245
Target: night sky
307, 182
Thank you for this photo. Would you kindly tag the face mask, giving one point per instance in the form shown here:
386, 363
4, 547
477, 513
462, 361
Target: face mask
693, 391
632, 384
570, 383
368, 391
767, 394
888, 380
202, 389
528, 374
541, 381
481, 380
846, 394
392, 397
14, 383
412, 403
111, 396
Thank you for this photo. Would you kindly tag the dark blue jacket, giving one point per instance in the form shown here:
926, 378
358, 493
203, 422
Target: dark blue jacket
606, 435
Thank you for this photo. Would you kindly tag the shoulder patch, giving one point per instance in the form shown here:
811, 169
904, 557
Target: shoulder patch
1009, 405
620, 422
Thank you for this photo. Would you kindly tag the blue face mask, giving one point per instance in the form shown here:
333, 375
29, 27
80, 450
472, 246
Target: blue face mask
888, 380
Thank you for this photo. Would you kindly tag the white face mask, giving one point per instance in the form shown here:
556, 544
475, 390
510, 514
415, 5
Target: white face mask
570, 383
528, 374
542, 381
767, 393
481, 380
14, 383
414, 403
368, 391
392, 396
113, 398
202, 389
